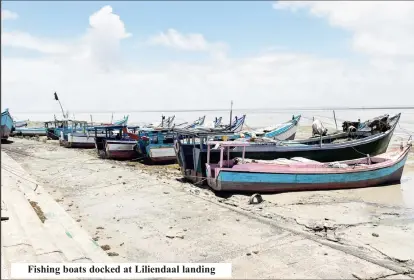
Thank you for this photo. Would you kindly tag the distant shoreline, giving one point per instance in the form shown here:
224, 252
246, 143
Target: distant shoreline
227, 110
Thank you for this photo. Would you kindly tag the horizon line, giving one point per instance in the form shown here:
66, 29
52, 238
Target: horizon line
224, 110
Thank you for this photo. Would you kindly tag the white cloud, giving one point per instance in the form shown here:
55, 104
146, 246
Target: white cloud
380, 28
187, 42
273, 79
8, 15
18, 39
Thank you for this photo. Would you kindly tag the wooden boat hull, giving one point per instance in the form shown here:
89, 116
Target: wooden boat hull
6, 124
5, 131
192, 157
285, 131
81, 141
119, 150
23, 131
273, 183
295, 179
20, 124
161, 153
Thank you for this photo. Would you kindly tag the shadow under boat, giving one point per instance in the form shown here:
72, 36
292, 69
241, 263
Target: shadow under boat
368, 138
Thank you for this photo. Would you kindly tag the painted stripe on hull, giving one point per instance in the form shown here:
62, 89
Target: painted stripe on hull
161, 152
81, 141
287, 135
395, 177
236, 180
122, 155
120, 146
82, 145
121, 150
321, 178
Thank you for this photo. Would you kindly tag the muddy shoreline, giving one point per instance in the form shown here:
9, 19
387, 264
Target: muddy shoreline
147, 214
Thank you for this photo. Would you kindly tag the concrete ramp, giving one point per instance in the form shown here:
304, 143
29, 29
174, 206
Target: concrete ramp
25, 237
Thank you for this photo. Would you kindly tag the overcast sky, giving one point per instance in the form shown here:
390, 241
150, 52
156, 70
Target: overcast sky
194, 55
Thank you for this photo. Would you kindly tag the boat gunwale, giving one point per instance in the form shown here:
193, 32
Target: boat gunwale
329, 146
292, 170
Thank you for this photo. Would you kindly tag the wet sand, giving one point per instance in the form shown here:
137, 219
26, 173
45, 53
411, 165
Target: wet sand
146, 214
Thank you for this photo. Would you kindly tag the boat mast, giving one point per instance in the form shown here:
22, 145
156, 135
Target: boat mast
57, 98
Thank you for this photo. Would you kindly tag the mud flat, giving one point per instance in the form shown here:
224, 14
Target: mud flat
146, 214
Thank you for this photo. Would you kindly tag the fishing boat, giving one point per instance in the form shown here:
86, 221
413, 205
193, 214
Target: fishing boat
300, 174
80, 134
6, 124
284, 131
73, 135
217, 122
123, 121
51, 129
20, 123
371, 137
157, 145
115, 143
236, 126
30, 131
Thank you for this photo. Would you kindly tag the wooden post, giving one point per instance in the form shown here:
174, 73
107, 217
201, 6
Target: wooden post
221, 156
208, 153
335, 120
228, 156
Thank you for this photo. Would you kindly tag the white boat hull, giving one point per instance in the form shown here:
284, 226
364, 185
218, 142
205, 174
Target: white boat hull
121, 149
161, 154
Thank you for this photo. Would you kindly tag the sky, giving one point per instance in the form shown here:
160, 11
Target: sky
159, 55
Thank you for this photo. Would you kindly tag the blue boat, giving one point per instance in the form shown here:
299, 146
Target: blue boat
115, 143
199, 122
79, 134
20, 123
300, 174
6, 124
48, 130
217, 122
156, 145
284, 131
69, 133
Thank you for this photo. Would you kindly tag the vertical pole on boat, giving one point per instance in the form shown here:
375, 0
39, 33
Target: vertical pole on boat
231, 111
57, 99
91, 120
221, 156
112, 118
335, 120
244, 153
208, 153
228, 156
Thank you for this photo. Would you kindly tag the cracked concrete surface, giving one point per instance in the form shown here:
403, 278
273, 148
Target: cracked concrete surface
146, 215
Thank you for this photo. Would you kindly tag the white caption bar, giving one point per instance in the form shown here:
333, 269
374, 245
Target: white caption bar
119, 270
